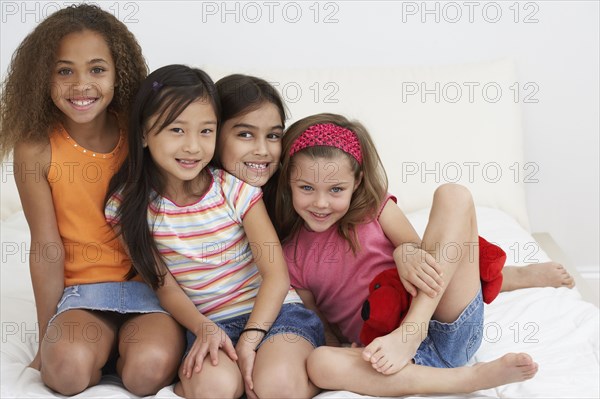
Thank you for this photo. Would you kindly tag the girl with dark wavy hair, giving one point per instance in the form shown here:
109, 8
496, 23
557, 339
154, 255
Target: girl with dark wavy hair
64, 107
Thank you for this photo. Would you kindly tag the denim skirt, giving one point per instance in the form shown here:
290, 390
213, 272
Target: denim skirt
120, 297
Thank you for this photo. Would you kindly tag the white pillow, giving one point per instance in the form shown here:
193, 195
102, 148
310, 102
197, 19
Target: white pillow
16, 243
10, 202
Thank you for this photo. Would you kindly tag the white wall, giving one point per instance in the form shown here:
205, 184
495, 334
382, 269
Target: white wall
555, 45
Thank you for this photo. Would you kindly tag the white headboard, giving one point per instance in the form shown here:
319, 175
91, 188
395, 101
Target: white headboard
432, 125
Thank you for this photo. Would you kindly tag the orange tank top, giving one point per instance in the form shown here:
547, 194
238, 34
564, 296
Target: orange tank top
79, 179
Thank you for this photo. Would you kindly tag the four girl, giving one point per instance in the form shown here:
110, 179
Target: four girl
200, 235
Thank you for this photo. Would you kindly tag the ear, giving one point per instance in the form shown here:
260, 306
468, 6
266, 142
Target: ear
358, 181
144, 142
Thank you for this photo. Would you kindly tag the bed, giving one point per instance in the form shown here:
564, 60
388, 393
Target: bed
423, 143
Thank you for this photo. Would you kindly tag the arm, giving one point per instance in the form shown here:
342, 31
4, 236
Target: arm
275, 284
47, 275
417, 268
271, 265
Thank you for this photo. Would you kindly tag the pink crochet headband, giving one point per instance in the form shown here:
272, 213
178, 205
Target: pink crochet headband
329, 135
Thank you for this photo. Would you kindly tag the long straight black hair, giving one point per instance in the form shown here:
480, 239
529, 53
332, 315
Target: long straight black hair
164, 94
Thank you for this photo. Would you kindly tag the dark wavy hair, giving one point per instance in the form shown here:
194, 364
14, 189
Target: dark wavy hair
165, 94
241, 94
27, 111
365, 201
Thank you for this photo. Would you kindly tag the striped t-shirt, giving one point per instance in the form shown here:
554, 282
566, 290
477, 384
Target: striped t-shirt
205, 247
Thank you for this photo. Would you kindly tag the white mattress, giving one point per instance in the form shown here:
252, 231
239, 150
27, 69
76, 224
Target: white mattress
555, 326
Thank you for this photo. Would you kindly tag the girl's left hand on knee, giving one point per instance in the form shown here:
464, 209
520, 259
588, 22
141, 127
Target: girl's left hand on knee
246, 357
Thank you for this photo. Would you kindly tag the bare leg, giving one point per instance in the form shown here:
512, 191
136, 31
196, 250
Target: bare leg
344, 369
280, 368
76, 346
150, 347
221, 381
450, 237
547, 274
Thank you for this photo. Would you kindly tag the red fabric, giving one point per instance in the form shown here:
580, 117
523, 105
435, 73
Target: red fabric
388, 301
385, 307
491, 262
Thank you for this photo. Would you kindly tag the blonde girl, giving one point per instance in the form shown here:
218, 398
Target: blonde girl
66, 100
341, 228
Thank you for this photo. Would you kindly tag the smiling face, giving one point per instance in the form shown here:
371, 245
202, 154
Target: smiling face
322, 189
184, 147
249, 145
83, 80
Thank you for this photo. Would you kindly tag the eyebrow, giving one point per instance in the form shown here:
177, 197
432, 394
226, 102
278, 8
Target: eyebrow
93, 61
338, 183
249, 126
184, 122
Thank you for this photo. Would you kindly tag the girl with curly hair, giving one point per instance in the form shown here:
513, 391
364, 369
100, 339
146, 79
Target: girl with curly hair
64, 107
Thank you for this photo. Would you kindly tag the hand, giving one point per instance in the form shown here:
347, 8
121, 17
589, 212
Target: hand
247, 355
36, 363
210, 339
418, 270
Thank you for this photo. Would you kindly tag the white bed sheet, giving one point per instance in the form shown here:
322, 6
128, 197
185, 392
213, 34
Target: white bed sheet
556, 326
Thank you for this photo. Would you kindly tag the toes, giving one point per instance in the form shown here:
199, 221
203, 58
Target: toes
376, 358
523, 359
381, 363
391, 370
383, 367
532, 372
371, 350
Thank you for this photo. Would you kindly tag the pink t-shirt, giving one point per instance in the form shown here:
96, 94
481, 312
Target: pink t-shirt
325, 265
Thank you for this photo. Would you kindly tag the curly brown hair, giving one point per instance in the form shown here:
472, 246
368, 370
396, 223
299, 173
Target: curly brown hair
27, 112
365, 201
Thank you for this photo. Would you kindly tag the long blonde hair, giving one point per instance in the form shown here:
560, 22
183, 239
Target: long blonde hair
367, 197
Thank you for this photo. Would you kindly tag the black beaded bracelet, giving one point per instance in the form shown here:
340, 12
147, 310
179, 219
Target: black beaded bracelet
254, 329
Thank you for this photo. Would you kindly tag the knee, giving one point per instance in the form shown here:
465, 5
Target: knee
321, 367
147, 371
282, 382
67, 368
452, 195
217, 385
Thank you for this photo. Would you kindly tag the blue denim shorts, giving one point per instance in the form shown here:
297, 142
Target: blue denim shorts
294, 320
453, 344
121, 297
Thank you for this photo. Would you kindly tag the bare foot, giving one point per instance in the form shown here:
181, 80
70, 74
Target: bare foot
390, 353
512, 367
547, 274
